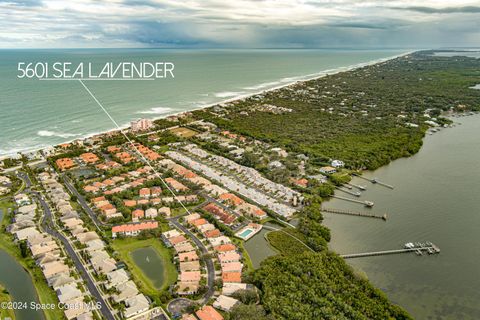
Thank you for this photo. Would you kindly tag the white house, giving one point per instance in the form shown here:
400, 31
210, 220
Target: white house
337, 163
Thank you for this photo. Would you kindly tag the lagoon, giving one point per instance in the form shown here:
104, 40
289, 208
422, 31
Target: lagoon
435, 199
258, 247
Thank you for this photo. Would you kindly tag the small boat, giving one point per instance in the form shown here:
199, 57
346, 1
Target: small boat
369, 203
147, 259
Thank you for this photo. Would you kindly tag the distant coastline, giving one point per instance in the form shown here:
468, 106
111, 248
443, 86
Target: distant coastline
295, 80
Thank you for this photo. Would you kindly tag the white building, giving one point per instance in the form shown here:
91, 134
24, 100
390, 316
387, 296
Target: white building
337, 163
141, 124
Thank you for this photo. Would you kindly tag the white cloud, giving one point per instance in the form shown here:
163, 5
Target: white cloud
113, 23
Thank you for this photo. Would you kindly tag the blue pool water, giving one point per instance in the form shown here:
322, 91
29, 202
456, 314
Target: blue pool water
245, 233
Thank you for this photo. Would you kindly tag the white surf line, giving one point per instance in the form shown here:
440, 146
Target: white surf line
96, 79
157, 174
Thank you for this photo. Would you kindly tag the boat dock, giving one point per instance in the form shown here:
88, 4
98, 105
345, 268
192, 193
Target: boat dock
365, 203
359, 187
352, 193
419, 249
375, 181
354, 213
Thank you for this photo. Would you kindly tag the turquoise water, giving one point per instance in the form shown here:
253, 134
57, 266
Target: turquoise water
40, 113
245, 233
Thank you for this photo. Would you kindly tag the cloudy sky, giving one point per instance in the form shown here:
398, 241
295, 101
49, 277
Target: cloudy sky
239, 23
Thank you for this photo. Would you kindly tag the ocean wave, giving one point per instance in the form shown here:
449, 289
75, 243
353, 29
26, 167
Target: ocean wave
156, 110
228, 94
263, 85
47, 133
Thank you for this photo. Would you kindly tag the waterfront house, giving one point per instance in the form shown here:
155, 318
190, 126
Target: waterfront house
52, 268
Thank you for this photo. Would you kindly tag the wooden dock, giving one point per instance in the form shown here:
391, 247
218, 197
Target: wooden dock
419, 250
359, 187
352, 193
375, 181
365, 203
354, 213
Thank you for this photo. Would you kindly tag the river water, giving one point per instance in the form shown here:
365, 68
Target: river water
436, 198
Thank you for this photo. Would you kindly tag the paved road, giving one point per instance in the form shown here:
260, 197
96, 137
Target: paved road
81, 200
47, 225
208, 261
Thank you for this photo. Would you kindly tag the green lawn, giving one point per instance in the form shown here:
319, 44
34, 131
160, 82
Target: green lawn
125, 246
5, 297
45, 294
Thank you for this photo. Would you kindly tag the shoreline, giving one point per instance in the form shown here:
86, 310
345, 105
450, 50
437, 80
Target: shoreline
295, 80
370, 243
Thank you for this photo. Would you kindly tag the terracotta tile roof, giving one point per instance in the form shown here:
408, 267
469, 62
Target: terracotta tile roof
89, 157
208, 313
225, 247
130, 227
232, 277
233, 199
65, 163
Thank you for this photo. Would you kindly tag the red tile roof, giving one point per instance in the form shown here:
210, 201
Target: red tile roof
130, 227
208, 313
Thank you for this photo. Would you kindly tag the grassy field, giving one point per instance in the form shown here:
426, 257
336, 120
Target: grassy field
5, 297
125, 246
183, 132
44, 292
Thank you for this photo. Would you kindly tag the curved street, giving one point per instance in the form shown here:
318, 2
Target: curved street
47, 225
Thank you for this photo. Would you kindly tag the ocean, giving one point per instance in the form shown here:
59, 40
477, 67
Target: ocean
36, 114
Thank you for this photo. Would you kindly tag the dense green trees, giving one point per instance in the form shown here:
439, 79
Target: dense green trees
363, 128
319, 286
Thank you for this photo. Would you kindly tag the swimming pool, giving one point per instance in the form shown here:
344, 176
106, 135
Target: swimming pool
245, 233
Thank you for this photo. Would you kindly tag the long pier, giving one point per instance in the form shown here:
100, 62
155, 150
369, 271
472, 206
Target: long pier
359, 187
365, 203
352, 193
430, 249
354, 213
374, 180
